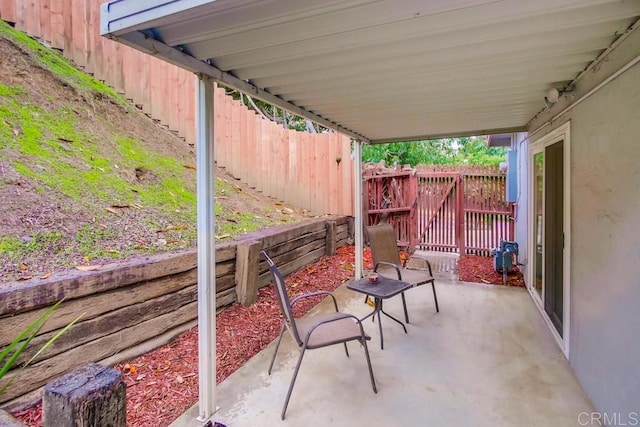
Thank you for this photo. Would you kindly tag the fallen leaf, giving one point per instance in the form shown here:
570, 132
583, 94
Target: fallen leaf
179, 379
189, 167
21, 278
88, 267
141, 377
111, 210
120, 206
172, 227
23, 266
16, 132
112, 251
46, 276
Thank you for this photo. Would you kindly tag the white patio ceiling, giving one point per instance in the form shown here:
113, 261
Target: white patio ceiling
383, 70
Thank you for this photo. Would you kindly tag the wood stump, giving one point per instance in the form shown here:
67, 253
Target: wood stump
92, 395
7, 420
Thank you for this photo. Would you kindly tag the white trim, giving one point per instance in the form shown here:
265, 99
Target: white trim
562, 133
206, 248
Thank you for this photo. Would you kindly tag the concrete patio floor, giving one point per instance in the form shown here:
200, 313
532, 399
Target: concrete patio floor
487, 359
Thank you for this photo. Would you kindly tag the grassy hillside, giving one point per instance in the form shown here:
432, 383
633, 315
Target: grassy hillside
86, 178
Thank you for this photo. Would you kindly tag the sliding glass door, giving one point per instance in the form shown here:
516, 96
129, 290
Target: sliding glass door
547, 232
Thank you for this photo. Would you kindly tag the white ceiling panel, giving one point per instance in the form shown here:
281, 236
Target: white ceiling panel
383, 70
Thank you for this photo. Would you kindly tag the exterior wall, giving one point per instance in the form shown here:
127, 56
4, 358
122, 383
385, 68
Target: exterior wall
605, 239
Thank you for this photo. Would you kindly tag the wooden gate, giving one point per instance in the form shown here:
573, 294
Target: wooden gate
439, 215
447, 209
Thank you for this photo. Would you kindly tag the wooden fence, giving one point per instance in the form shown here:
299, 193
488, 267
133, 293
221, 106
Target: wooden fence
444, 208
133, 307
295, 167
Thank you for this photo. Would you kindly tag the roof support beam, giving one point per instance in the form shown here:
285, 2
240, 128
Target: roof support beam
206, 248
357, 178
143, 42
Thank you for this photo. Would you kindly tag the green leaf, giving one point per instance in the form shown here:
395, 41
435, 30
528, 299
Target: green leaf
20, 343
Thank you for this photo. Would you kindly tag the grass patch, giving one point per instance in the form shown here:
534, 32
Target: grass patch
89, 241
16, 249
167, 190
59, 66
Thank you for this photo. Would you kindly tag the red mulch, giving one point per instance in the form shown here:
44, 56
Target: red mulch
163, 384
479, 269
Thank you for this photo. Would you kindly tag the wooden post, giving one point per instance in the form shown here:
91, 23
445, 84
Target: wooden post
247, 258
7, 420
92, 395
461, 215
331, 242
412, 201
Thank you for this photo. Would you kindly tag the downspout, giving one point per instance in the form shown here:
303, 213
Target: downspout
357, 176
206, 248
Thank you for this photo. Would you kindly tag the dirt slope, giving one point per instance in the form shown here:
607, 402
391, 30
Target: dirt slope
86, 178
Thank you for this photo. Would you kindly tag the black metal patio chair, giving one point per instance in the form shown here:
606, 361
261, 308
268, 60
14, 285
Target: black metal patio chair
316, 331
386, 260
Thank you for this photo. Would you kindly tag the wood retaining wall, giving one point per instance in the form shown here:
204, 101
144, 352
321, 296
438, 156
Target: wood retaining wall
132, 307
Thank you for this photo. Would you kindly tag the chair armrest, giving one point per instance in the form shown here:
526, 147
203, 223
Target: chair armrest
390, 265
313, 294
423, 259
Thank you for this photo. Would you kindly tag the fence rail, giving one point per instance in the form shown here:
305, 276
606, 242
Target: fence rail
295, 167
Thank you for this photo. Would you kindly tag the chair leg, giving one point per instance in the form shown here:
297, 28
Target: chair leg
366, 353
293, 380
404, 305
346, 350
273, 358
435, 297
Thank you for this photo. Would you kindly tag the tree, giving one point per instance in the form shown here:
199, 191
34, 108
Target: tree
466, 150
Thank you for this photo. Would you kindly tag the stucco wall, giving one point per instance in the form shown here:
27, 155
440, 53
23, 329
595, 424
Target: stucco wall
605, 244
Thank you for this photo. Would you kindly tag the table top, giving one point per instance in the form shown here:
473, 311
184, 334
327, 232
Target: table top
383, 288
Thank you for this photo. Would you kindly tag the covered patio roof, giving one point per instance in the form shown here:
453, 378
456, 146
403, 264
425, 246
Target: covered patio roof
387, 70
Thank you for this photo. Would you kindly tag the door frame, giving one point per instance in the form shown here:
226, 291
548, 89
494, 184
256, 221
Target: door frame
562, 133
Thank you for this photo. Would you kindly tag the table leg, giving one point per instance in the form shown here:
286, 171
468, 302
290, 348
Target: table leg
378, 308
392, 318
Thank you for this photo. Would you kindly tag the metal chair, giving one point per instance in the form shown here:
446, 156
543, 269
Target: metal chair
386, 260
310, 332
